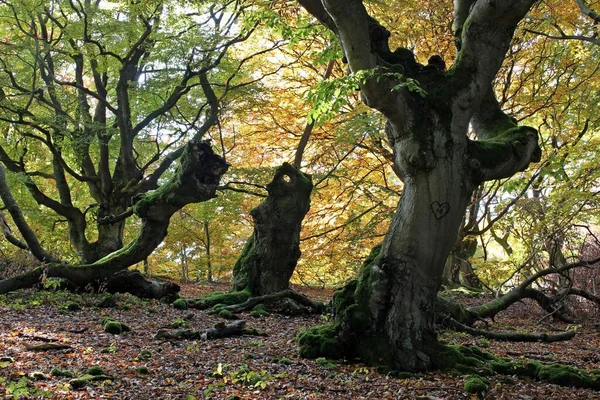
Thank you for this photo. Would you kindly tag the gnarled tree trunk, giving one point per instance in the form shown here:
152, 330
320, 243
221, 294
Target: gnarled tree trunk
195, 180
270, 255
387, 316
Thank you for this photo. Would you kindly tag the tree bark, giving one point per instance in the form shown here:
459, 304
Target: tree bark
195, 180
269, 258
387, 316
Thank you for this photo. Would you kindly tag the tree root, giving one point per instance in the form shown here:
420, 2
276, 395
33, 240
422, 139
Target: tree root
290, 302
462, 360
508, 336
299, 304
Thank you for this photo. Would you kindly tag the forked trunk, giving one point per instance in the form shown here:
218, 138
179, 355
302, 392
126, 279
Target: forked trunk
270, 256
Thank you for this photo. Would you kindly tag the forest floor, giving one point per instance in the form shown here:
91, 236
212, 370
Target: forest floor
244, 367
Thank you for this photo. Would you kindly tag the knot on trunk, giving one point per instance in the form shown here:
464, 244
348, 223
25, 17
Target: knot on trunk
201, 161
195, 180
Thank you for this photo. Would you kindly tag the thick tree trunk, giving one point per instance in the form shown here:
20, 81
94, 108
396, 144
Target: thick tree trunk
195, 180
269, 258
389, 316
392, 317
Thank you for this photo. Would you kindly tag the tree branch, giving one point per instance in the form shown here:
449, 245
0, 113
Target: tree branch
13, 208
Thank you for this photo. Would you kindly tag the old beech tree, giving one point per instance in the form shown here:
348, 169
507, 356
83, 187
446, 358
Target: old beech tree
387, 314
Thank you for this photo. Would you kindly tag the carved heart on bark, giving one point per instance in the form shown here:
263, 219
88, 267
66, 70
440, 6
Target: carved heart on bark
440, 210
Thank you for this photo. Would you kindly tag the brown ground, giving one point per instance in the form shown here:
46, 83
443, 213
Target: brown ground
222, 369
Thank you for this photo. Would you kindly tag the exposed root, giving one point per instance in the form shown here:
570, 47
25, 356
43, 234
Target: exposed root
303, 303
508, 336
288, 302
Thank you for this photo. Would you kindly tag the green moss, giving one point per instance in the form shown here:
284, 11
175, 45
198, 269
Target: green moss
242, 264
178, 323
144, 355
476, 384
219, 298
491, 152
321, 341
228, 298
108, 301
180, 304
37, 376
227, 314
344, 297
80, 382
531, 369
143, 370
566, 375
72, 306
113, 327
260, 311
404, 375
61, 372
322, 361
95, 370
453, 308
505, 366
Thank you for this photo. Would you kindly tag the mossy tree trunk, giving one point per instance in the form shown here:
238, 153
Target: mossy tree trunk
195, 180
388, 315
270, 255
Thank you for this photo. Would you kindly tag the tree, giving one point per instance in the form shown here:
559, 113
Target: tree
108, 96
387, 315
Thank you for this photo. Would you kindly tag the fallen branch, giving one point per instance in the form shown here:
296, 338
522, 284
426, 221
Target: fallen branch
46, 346
219, 330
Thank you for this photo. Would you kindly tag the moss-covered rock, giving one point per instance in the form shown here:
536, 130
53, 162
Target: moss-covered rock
260, 310
227, 314
321, 341
476, 384
82, 381
565, 375
113, 326
72, 306
180, 304
143, 370
61, 373
95, 370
